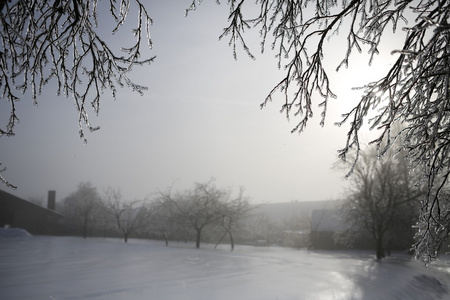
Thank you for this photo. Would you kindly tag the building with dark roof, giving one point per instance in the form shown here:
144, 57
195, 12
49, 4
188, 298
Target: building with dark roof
19, 213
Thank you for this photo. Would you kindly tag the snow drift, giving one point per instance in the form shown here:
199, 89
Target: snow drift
73, 268
7, 232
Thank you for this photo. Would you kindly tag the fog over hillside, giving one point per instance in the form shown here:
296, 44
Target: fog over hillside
279, 212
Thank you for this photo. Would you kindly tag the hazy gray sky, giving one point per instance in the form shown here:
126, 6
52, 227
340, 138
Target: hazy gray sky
199, 119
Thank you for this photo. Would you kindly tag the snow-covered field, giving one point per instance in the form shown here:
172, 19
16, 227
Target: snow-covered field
73, 268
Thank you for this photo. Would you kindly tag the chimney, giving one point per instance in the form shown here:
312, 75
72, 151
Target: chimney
51, 203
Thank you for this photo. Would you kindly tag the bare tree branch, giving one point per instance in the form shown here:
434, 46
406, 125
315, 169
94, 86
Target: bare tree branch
56, 40
413, 93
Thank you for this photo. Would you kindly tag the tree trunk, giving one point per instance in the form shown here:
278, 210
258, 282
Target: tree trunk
125, 237
380, 248
220, 240
198, 238
2, 4
166, 238
231, 240
85, 231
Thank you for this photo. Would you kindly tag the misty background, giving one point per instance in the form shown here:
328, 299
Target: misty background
200, 118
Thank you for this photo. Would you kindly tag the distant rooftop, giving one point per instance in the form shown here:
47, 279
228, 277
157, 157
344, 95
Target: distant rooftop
328, 220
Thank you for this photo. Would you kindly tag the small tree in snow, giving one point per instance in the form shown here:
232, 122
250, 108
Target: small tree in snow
163, 220
232, 214
128, 216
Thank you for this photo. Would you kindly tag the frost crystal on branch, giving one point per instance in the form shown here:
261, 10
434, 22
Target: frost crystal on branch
56, 40
413, 93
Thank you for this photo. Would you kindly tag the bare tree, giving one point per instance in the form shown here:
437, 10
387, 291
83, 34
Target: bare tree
198, 208
39, 35
81, 208
232, 211
382, 198
56, 40
205, 206
128, 216
172, 216
414, 91
163, 220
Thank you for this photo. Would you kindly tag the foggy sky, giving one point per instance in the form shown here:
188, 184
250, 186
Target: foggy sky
200, 118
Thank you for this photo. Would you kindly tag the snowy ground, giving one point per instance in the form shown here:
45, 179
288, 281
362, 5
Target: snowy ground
73, 268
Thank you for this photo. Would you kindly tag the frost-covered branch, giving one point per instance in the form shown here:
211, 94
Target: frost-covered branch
57, 40
413, 93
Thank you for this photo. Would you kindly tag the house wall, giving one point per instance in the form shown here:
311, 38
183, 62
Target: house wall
19, 213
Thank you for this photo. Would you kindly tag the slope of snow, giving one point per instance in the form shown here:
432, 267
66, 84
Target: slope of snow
7, 232
73, 268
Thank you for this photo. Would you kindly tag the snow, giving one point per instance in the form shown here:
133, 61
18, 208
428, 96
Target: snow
8, 232
43, 267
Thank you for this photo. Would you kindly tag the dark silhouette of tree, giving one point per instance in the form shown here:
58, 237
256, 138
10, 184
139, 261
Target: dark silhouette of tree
198, 208
205, 206
129, 216
164, 220
56, 40
382, 198
82, 208
414, 92
37, 36
232, 214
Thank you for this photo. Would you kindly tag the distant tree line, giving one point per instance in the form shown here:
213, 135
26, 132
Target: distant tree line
204, 212
379, 212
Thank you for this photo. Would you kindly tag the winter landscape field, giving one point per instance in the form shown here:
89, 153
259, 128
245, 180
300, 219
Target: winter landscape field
42, 267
